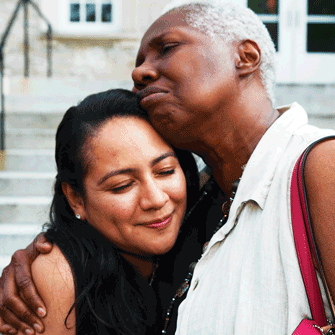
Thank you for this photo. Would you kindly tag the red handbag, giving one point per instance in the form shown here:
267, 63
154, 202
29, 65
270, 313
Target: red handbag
305, 247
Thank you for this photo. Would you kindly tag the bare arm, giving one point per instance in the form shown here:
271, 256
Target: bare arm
320, 186
20, 304
53, 278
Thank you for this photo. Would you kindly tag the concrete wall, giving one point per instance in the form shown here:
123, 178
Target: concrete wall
85, 58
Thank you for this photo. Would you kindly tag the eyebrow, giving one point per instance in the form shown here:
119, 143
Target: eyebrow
159, 37
125, 171
160, 158
155, 40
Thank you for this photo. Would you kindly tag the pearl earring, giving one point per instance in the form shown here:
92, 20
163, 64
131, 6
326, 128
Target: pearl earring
78, 216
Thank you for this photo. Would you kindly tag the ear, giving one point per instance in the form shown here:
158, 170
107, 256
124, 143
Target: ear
75, 200
249, 57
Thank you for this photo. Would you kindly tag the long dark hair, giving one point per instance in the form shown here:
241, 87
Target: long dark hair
109, 293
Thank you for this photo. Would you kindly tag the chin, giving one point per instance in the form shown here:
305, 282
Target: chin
163, 249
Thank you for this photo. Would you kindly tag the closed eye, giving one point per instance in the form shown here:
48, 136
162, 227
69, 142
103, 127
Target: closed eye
167, 172
119, 189
168, 47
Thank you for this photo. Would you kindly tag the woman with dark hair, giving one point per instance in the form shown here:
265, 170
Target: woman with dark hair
118, 206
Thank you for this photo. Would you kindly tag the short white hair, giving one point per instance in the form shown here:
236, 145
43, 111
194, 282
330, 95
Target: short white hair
232, 23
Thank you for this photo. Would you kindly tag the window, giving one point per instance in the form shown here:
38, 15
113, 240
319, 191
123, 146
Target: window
304, 34
91, 11
267, 10
90, 16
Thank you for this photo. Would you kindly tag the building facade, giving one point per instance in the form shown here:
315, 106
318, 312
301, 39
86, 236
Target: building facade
94, 48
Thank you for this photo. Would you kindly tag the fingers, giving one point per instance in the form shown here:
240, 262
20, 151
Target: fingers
14, 310
14, 322
40, 245
326, 329
23, 319
5, 328
22, 269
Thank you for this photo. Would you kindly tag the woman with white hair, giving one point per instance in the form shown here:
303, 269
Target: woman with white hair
205, 74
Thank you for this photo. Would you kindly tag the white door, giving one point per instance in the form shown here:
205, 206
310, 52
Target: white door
304, 34
278, 18
315, 41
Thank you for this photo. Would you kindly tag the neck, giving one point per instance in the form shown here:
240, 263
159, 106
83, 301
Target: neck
144, 266
231, 136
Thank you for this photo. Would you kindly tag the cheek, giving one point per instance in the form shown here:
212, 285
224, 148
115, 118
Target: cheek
111, 210
178, 190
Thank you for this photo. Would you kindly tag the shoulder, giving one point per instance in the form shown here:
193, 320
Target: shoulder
53, 269
54, 281
320, 188
320, 176
320, 162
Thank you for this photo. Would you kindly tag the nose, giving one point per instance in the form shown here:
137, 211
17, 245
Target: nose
143, 75
153, 196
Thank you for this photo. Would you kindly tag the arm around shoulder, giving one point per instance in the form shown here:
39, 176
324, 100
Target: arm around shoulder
320, 187
54, 281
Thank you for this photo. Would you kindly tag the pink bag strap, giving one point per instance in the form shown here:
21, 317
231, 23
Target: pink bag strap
304, 240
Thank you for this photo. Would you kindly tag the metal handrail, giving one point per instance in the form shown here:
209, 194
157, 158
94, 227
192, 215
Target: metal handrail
25, 4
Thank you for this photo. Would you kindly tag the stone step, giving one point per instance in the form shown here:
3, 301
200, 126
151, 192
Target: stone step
34, 120
14, 237
32, 210
55, 93
30, 138
38, 160
11, 234
26, 183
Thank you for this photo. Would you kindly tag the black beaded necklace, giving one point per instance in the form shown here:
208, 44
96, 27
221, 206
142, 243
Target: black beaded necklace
186, 284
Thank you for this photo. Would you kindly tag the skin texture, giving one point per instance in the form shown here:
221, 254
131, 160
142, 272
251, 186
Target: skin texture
135, 180
54, 281
13, 289
53, 278
213, 104
135, 195
225, 131
211, 101
320, 181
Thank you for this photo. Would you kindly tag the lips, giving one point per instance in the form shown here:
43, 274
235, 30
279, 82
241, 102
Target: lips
150, 96
159, 223
149, 91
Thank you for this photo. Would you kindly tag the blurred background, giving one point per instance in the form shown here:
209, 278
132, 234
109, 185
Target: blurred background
94, 47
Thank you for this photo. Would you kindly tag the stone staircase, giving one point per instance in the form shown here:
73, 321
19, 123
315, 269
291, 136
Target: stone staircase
26, 184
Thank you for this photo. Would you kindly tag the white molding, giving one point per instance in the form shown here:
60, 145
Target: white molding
26, 175
33, 201
23, 152
19, 229
60, 33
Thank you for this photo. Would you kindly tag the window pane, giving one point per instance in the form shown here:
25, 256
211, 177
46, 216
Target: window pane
321, 37
74, 12
106, 13
273, 30
321, 7
90, 12
264, 6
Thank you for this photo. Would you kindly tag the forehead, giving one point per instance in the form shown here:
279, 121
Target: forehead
128, 134
172, 19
